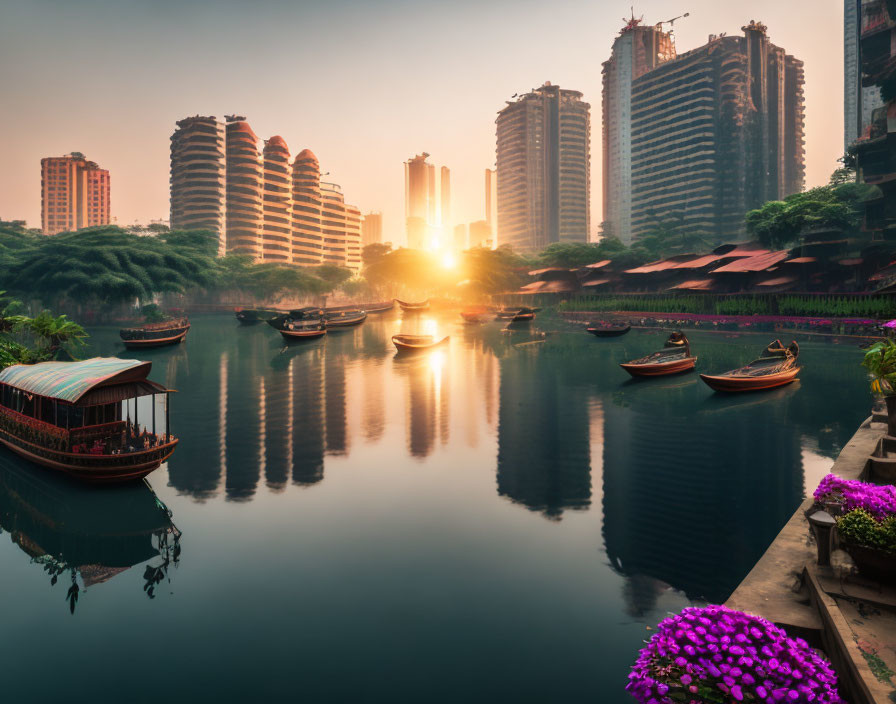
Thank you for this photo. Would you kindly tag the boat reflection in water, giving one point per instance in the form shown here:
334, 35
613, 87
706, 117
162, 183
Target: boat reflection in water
82, 536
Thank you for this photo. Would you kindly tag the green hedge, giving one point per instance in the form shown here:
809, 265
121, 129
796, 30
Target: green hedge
877, 307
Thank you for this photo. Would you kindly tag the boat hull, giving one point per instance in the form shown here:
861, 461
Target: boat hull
303, 334
523, 318
609, 332
733, 384
675, 366
96, 469
349, 323
411, 347
159, 342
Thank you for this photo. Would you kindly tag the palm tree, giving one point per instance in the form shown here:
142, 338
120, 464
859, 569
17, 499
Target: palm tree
52, 333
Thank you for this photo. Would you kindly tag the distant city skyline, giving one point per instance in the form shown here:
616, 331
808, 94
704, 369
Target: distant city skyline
365, 108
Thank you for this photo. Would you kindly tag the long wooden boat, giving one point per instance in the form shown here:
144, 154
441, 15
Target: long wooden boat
304, 329
382, 307
167, 332
345, 318
413, 307
75, 417
605, 329
416, 343
674, 358
776, 366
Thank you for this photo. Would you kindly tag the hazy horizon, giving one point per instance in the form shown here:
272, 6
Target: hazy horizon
364, 85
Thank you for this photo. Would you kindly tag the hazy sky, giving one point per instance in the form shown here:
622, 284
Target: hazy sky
363, 84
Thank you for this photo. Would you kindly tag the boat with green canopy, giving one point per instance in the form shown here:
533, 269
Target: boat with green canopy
99, 419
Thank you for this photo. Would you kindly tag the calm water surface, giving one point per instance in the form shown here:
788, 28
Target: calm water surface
492, 521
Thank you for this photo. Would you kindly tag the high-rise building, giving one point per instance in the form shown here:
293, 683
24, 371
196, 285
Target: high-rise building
445, 198
75, 194
276, 232
427, 203
341, 229
543, 165
307, 240
197, 175
481, 235
244, 189
491, 200
858, 101
637, 50
716, 132
372, 229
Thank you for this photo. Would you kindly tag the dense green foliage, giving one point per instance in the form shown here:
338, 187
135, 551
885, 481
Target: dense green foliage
834, 207
861, 528
873, 307
880, 361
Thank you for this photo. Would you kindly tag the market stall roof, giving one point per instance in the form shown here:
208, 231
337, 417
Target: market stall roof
661, 265
694, 285
69, 381
778, 281
596, 282
598, 265
760, 262
801, 260
548, 287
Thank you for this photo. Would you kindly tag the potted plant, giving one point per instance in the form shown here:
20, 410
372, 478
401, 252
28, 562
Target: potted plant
880, 361
866, 522
717, 655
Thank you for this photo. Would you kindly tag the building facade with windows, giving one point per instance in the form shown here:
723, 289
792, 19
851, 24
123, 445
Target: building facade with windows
75, 193
197, 175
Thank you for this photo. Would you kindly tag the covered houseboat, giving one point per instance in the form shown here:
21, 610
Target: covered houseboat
85, 418
166, 332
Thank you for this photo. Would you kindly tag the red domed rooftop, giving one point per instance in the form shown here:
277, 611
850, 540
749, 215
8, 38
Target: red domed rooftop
306, 155
276, 142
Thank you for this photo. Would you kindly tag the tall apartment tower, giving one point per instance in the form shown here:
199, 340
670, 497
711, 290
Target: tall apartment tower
858, 101
543, 165
307, 239
244, 183
276, 234
637, 50
341, 229
716, 132
75, 194
491, 200
445, 198
197, 175
419, 193
372, 229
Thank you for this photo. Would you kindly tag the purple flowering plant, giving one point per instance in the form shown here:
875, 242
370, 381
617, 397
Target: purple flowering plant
852, 494
717, 655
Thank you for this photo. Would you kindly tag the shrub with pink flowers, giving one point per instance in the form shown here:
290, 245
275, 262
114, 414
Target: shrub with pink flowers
851, 494
714, 654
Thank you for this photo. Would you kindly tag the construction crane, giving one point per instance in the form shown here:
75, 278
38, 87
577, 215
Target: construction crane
671, 22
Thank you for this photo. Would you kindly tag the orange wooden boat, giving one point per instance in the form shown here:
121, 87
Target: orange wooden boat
167, 332
776, 366
76, 417
474, 315
413, 307
304, 330
416, 343
674, 358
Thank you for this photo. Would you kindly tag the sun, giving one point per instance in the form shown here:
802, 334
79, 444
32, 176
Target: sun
449, 261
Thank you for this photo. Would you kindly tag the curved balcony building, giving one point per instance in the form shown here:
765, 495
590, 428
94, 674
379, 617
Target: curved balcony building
244, 189
276, 232
197, 175
307, 239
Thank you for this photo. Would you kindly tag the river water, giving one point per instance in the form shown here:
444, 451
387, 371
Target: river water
502, 519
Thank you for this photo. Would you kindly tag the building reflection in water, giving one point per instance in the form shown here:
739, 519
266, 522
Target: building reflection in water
544, 458
674, 514
82, 537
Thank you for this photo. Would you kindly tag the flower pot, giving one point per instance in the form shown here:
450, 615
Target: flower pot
891, 414
873, 563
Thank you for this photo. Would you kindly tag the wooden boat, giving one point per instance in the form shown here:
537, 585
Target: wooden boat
166, 332
344, 318
474, 315
416, 343
303, 329
516, 315
776, 366
605, 329
382, 307
413, 307
675, 357
75, 417
253, 316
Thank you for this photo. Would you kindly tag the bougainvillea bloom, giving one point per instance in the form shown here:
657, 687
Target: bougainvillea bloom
713, 653
879, 501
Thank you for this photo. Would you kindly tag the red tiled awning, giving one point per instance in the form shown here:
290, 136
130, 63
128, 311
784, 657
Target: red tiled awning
759, 262
661, 265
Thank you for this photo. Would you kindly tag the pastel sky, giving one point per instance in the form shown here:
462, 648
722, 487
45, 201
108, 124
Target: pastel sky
363, 84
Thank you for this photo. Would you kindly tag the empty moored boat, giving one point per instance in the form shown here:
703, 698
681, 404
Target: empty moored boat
776, 366
344, 318
166, 332
416, 343
76, 417
675, 357
604, 329
413, 307
301, 324
253, 316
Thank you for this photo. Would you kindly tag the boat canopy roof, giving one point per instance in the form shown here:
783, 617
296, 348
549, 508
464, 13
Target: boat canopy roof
79, 381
